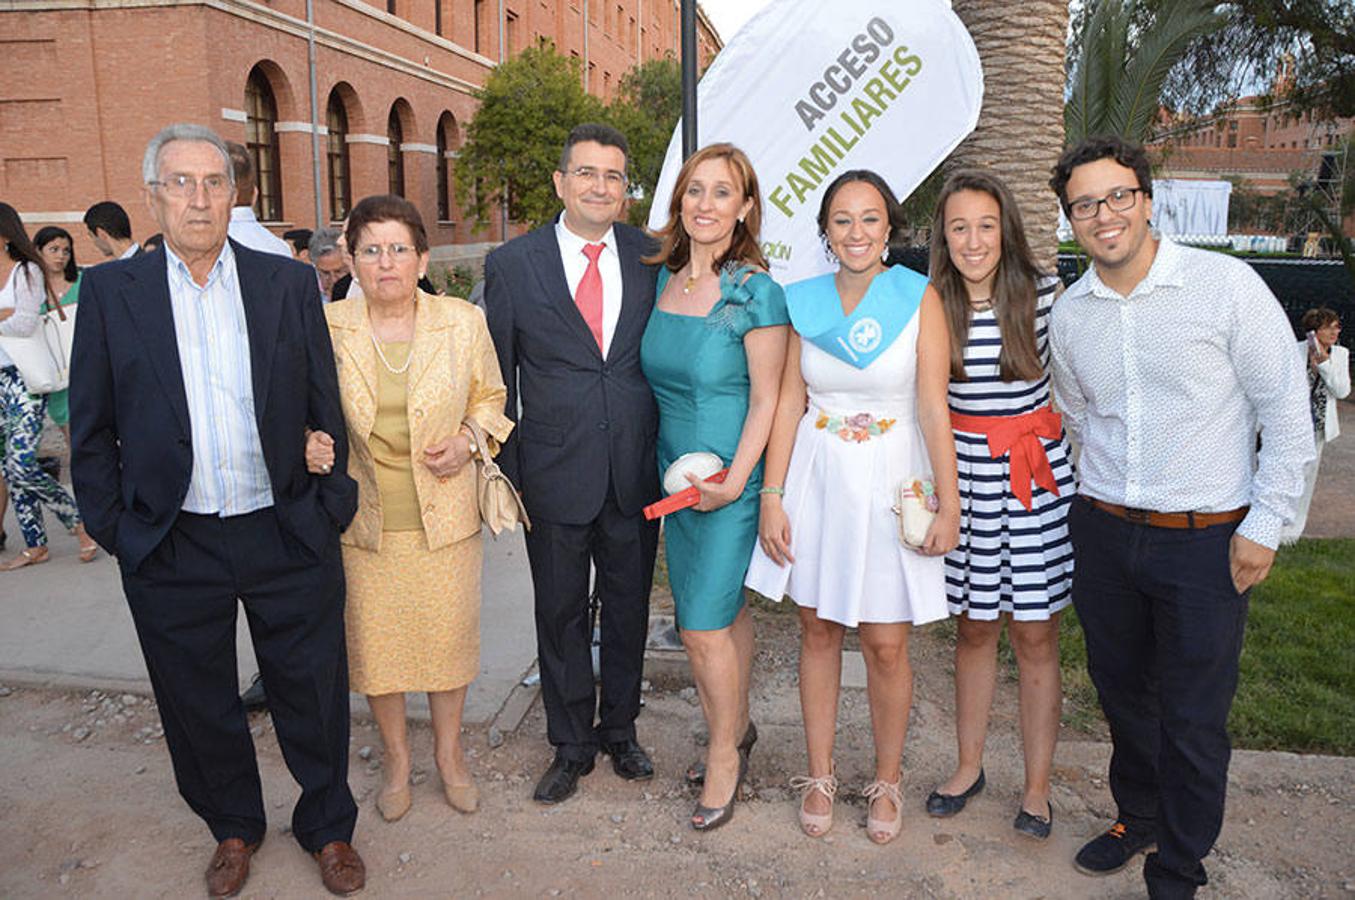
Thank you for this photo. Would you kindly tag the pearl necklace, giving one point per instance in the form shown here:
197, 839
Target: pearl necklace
385, 362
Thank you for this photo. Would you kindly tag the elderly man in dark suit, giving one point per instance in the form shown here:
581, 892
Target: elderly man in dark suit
567, 305
200, 368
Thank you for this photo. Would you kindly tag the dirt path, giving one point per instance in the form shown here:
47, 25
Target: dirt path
88, 808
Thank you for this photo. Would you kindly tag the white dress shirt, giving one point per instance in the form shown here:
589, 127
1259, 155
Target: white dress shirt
229, 474
1166, 389
131, 251
609, 265
245, 229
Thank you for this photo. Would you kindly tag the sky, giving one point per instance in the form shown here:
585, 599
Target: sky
729, 15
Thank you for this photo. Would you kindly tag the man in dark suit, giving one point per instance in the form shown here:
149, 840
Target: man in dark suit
200, 368
567, 305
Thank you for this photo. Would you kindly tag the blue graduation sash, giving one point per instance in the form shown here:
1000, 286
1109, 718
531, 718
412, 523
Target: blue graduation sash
890, 303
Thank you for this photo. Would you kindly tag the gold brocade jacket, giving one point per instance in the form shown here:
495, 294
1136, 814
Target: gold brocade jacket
453, 375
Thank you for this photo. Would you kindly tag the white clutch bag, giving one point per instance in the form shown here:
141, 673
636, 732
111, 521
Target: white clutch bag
916, 510
701, 464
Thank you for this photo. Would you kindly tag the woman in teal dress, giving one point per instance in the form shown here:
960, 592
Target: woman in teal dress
713, 352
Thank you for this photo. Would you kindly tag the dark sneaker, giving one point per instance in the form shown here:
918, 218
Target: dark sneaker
1110, 852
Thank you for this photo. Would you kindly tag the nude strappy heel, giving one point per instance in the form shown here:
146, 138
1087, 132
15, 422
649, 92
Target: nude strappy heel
882, 831
813, 824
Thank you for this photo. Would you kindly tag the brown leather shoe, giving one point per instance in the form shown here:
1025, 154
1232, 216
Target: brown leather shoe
341, 868
229, 868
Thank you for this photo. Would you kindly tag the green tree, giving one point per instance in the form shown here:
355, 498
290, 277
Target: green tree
1123, 54
646, 110
1260, 37
527, 107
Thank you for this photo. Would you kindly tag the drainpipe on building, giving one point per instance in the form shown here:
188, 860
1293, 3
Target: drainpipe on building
503, 207
315, 110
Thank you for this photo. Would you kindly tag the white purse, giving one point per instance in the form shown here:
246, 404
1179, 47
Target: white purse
916, 509
43, 357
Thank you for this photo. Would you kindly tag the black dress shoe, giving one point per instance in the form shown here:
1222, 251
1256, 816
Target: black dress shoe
561, 780
941, 806
254, 698
630, 760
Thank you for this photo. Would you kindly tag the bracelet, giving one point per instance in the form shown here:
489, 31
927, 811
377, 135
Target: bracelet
775, 491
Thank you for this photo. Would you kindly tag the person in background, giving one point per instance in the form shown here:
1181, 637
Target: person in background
23, 292
713, 352
300, 239
1167, 361
111, 230
245, 228
63, 279
330, 259
1014, 560
415, 369
861, 415
1327, 364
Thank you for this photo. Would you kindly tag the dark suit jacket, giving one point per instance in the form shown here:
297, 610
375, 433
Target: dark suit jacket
586, 423
132, 453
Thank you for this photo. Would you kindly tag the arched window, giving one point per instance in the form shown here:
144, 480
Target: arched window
447, 141
340, 178
261, 137
395, 159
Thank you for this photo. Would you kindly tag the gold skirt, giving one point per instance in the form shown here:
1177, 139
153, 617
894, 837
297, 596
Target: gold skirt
413, 614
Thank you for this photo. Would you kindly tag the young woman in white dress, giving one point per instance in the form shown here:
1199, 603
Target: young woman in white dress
862, 411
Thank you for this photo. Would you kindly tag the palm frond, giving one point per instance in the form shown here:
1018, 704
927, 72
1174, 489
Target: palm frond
1135, 100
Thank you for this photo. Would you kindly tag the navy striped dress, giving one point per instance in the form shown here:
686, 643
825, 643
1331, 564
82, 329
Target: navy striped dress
1009, 559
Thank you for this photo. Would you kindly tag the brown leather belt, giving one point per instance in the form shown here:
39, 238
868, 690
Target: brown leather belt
1168, 519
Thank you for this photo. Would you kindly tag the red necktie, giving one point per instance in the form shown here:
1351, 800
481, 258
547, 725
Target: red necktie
588, 296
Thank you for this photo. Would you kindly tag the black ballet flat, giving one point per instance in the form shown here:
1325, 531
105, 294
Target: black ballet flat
942, 806
1033, 825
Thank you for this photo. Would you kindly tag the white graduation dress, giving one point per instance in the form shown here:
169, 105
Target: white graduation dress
840, 492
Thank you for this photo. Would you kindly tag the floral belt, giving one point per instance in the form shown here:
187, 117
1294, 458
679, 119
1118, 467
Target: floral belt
856, 429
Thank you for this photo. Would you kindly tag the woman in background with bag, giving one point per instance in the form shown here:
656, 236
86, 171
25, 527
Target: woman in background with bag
63, 281
415, 370
23, 292
861, 420
1015, 559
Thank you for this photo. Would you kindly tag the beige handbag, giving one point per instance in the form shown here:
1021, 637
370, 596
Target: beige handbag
916, 510
500, 503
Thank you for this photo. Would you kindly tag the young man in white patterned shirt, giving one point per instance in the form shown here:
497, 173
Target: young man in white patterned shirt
1167, 362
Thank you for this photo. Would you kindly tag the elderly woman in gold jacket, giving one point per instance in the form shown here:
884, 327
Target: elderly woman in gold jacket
413, 369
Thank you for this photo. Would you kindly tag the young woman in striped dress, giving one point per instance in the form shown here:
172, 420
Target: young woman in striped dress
1014, 560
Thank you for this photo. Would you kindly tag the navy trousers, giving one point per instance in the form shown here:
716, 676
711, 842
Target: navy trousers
621, 549
1164, 630
184, 599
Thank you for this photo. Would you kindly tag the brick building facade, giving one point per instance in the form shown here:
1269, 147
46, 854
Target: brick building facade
86, 83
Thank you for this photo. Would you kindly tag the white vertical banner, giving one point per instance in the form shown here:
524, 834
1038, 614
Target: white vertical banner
809, 89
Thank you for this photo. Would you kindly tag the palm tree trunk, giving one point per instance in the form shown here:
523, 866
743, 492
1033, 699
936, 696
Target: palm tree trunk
1020, 135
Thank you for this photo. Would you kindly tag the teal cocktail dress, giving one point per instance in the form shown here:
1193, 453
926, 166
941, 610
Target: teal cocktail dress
698, 370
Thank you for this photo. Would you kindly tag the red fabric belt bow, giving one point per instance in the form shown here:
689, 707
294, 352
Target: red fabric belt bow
1019, 436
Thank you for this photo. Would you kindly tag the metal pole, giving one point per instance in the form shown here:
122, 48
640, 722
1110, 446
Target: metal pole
315, 111
688, 78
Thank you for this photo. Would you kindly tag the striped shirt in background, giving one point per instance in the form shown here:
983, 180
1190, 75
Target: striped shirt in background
229, 475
